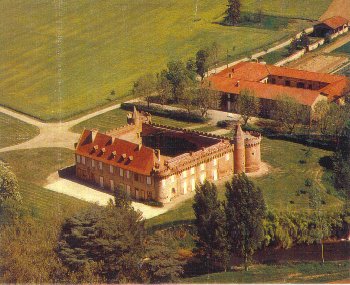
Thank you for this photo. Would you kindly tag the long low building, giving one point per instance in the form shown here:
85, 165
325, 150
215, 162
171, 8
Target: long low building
271, 83
156, 162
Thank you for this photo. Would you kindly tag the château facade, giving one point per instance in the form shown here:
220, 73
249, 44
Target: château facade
156, 162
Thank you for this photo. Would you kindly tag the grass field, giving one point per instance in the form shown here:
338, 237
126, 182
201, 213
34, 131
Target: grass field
117, 118
344, 49
13, 131
61, 58
32, 168
287, 176
275, 56
311, 272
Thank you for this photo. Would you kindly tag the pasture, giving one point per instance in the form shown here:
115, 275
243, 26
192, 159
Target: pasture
344, 49
14, 131
62, 58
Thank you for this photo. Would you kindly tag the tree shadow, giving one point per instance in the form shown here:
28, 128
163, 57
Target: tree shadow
326, 162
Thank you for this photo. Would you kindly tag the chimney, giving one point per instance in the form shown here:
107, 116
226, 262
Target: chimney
139, 146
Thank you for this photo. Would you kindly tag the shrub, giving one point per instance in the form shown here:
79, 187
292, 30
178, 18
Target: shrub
172, 114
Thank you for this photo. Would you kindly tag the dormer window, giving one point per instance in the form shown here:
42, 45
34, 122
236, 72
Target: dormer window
83, 160
78, 158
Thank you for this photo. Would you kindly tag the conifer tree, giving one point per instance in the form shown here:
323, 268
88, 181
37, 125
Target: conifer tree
245, 211
233, 12
211, 245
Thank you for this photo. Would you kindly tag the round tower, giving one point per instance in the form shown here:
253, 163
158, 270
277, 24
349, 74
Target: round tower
239, 150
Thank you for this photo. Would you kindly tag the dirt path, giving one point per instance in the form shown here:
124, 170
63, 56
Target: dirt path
340, 42
337, 8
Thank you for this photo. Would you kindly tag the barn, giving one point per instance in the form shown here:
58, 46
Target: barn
331, 27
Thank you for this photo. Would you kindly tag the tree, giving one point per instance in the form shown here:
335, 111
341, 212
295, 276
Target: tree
248, 105
233, 12
288, 112
304, 40
110, 237
188, 97
206, 99
202, 63
144, 87
179, 77
320, 226
245, 211
214, 51
211, 245
293, 46
341, 162
161, 262
122, 200
10, 198
163, 87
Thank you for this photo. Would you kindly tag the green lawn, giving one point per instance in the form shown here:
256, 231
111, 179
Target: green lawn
13, 131
275, 56
344, 49
117, 118
311, 272
60, 58
287, 176
32, 168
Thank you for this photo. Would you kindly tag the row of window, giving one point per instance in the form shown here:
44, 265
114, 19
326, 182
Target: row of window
112, 169
137, 193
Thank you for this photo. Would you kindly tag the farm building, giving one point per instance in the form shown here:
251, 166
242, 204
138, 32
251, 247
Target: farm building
156, 162
332, 27
271, 83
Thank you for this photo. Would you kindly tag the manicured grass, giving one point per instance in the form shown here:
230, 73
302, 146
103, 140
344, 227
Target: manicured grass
287, 175
117, 118
207, 128
62, 58
13, 131
344, 49
311, 272
275, 56
35, 165
32, 167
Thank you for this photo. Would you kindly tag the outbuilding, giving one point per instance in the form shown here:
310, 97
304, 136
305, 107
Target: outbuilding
332, 27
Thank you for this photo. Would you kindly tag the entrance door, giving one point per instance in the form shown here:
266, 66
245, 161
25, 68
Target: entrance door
101, 181
112, 185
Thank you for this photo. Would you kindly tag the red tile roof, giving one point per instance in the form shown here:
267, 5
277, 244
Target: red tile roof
335, 22
142, 161
247, 75
265, 91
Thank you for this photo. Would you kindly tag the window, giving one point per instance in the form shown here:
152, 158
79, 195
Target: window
215, 162
111, 169
202, 167
128, 190
78, 158
227, 156
136, 177
112, 184
202, 178
83, 159
149, 195
273, 80
100, 165
163, 182
193, 184
192, 170
128, 174
300, 85
148, 180
93, 163
310, 86
121, 172
287, 83
172, 179
184, 174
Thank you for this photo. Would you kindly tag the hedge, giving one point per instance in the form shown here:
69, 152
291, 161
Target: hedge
172, 114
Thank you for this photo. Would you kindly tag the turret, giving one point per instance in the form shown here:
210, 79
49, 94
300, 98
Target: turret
239, 150
135, 117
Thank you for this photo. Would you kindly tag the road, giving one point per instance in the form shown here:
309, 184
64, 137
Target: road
51, 134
